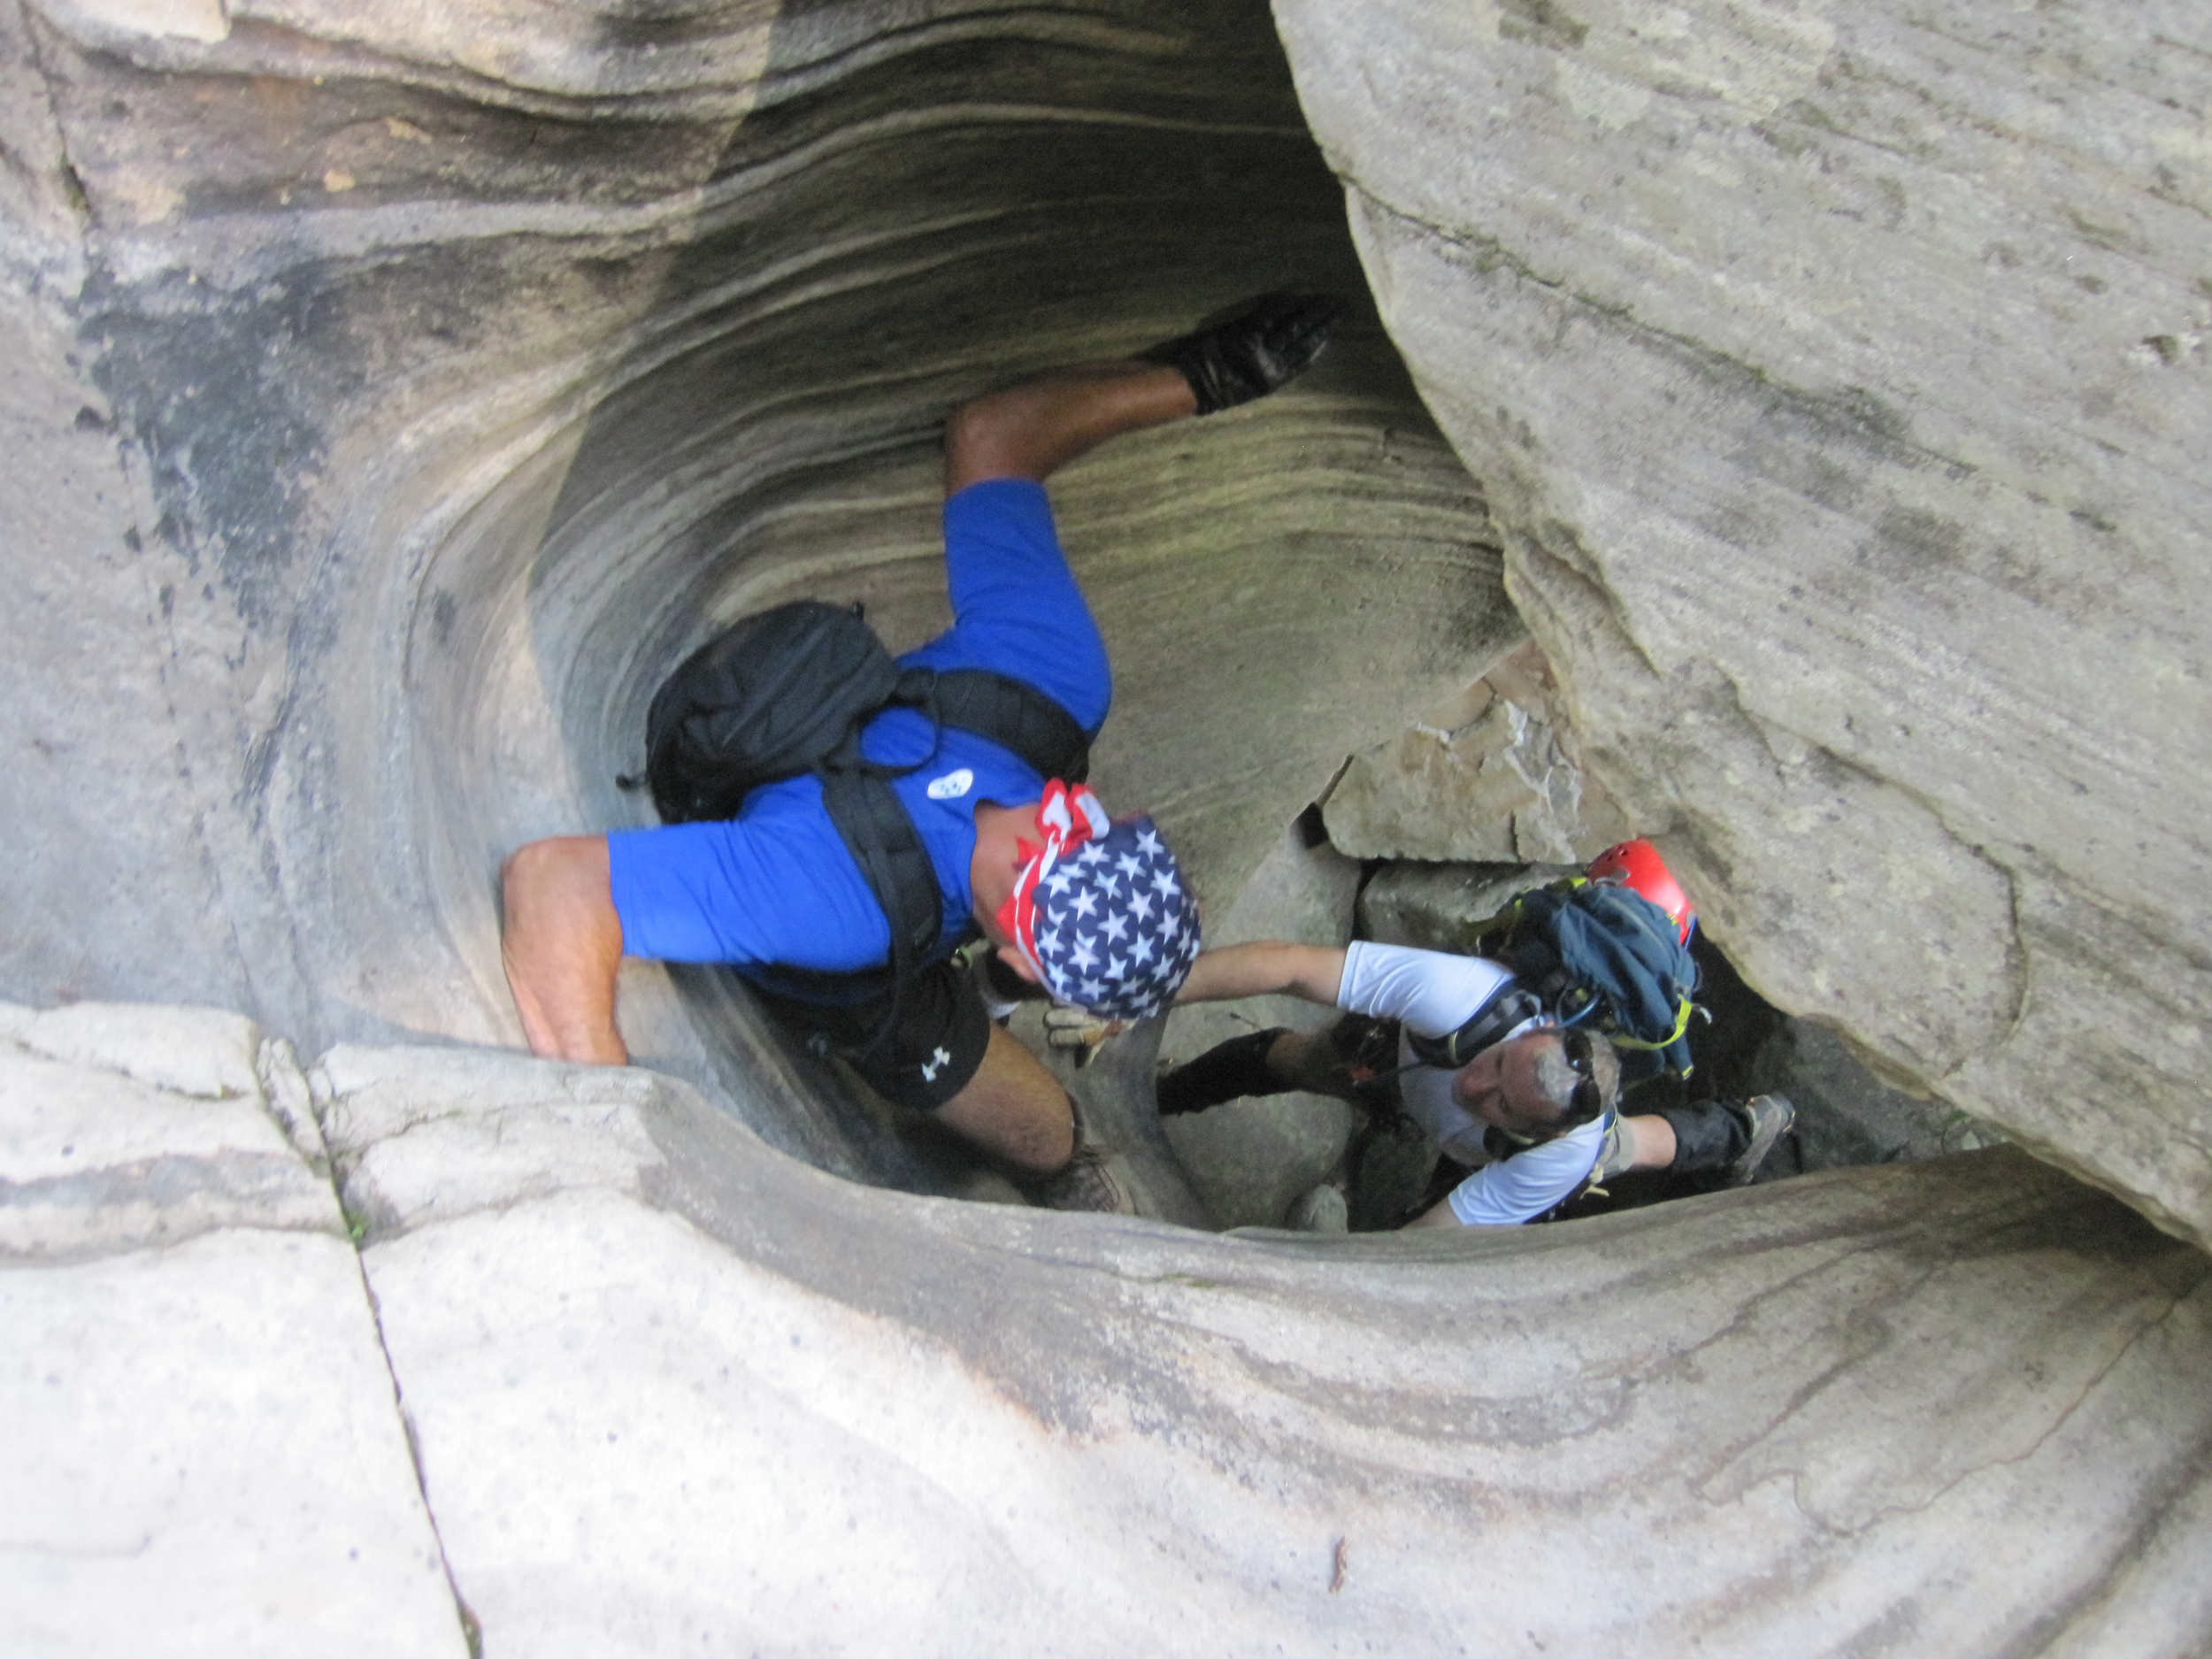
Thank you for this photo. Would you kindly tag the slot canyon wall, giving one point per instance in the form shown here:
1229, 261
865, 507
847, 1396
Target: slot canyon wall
476, 370
398, 392
1840, 385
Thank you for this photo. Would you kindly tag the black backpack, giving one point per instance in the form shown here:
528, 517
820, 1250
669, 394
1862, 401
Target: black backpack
787, 691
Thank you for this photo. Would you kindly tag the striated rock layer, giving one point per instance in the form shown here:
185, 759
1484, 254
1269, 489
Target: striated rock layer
666, 1390
445, 381
670, 1386
395, 392
1838, 378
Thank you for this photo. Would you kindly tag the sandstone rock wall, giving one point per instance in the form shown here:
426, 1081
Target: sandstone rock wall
1838, 378
1484, 778
442, 379
669, 1390
394, 393
203, 1452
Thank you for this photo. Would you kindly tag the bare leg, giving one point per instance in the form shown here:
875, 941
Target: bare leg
1032, 429
562, 943
1014, 1108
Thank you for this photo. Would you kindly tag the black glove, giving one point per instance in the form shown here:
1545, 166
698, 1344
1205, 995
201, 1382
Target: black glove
1251, 351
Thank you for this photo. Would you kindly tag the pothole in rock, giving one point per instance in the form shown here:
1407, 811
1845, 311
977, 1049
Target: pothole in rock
1277, 587
746, 409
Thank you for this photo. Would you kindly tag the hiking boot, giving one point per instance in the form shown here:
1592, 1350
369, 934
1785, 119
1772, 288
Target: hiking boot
1252, 350
1771, 1115
1083, 1183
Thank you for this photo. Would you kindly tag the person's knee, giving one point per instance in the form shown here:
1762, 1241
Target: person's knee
1300, 1060
1319, 1063
1048, 1136
523, 874
1031, 1128
1013, 1107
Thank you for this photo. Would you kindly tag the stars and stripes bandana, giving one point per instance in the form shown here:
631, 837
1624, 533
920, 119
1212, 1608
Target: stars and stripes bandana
1099, 910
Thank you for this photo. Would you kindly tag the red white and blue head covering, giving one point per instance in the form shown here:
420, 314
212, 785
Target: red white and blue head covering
1099, 910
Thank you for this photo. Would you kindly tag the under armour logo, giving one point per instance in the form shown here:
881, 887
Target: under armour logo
935, 1063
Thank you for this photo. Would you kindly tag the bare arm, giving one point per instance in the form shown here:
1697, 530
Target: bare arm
562, 943
1442, 1215
1267, 968
1032, 429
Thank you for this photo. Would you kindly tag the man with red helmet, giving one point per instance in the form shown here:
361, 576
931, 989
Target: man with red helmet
1532, 1112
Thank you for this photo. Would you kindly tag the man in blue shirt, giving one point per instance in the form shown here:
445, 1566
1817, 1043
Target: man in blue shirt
1092, 912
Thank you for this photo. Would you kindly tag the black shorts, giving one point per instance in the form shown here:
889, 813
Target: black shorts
931, 1054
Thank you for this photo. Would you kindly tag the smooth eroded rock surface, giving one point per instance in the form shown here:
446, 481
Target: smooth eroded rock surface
202, 1453
673, 1390
395, 394
1839, 380
411, 393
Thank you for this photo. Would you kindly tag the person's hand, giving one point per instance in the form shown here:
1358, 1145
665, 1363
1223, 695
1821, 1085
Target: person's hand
1077, 1033
1249, 352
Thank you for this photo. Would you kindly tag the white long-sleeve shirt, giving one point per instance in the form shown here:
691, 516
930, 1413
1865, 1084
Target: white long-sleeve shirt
1434, 994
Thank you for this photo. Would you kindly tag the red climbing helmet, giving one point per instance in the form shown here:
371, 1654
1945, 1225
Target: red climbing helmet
1638, 866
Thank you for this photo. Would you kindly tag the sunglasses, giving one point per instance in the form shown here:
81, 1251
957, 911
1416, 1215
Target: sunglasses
1576, 1045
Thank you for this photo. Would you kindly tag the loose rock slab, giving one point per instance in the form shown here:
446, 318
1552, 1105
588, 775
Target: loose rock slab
201, 1453
674, 1391
1483, 780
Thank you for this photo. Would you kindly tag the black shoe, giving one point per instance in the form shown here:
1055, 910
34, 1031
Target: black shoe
1252, 350
1771, 1115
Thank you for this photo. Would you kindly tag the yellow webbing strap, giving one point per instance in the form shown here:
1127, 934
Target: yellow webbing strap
1681, 1025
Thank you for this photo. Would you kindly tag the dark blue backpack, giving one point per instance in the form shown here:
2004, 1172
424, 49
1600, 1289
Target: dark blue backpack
1586, 952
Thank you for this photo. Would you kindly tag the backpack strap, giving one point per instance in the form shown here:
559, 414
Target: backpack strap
1508, 1006
877, 831
875, 828
1015, 716
874, 824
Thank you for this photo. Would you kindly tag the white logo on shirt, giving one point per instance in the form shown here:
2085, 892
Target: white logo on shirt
952, 786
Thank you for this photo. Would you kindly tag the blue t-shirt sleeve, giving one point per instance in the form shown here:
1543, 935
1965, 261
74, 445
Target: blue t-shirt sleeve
739, 891
1015, 603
